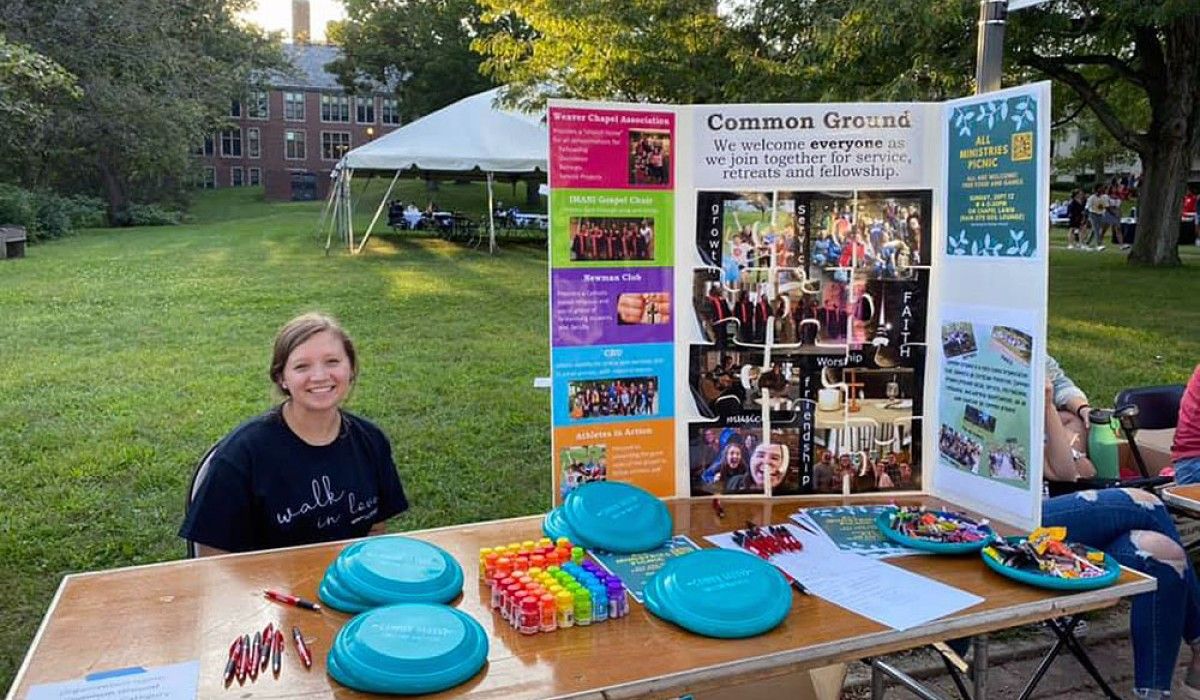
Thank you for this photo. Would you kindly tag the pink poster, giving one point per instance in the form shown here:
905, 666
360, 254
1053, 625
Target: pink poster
607, 149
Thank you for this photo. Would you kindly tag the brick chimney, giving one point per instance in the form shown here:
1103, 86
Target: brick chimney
301, 22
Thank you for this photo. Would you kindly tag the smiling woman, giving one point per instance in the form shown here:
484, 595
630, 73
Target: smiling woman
306, 471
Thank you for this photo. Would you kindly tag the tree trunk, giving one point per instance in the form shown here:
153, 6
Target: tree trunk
116, 193
1166, 163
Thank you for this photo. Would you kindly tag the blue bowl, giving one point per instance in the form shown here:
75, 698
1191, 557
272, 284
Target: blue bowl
1112, 572
883, 522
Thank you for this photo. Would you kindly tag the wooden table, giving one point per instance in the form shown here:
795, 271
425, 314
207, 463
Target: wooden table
192, 609
1185, 497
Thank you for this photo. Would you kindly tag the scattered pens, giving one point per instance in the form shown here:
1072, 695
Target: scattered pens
268, 640
291, 600
235, 658
716, 504
302, 648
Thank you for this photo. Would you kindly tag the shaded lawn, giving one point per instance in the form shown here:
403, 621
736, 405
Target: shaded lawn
128, 352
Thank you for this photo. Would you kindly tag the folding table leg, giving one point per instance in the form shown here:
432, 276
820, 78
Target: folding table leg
979, 665
1065, 631
881, 668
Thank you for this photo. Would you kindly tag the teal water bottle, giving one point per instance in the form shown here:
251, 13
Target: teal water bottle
1103, 442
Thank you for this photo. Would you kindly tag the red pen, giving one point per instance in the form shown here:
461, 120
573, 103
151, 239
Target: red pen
291, 600
255, 652
301, 647
244, 662
278, 644
268, 641
235, 659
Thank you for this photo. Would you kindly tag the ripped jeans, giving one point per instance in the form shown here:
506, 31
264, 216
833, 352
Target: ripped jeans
1123, 523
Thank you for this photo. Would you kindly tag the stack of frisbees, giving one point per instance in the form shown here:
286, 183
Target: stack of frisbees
406, 640
611, 516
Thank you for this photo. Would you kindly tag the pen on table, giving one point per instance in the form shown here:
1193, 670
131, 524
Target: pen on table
244, 662
277, 642
268, 641
255, 652
291, 600
235, 658
716, 504
301, 647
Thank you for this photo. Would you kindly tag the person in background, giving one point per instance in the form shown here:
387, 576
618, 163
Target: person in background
305, 471
1185, 452
1097, 206
1076, 218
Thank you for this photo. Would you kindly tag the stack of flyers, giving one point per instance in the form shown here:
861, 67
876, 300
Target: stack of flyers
852, 529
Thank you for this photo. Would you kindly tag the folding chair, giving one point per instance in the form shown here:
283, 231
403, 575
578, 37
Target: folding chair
1148, 408
198, 477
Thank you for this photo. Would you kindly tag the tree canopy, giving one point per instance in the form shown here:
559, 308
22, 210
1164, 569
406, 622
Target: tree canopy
155, 77
859, 50
422, 47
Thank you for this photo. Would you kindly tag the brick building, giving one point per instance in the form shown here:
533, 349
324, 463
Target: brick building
288, 137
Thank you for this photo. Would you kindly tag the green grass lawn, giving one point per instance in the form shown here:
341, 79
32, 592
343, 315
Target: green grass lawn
126, 353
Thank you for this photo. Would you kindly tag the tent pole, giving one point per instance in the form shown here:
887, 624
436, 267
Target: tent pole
491, 218
349, 212
321, 226
382, 204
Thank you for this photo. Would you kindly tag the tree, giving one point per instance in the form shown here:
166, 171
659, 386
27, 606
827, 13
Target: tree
156, 76
774, 50
29, 84
653, 50
422, 47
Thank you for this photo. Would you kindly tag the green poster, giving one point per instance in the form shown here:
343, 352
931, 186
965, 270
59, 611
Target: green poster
612, 228
993, 173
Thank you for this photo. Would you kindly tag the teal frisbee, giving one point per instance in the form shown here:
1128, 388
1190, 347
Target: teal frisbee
617, 517
408, 649
555, 526
883, 522
395, 569
335, 595
719, 593
1112, 572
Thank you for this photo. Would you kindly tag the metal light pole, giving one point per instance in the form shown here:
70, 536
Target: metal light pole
989, 55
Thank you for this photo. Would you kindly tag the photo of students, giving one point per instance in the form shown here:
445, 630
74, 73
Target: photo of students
726, 382
879, 233
1014, 344
960, 449
611, 238
631, 396
649, 158
958, 338
735, 460
863, 471
580, 465
644, 308
757, 234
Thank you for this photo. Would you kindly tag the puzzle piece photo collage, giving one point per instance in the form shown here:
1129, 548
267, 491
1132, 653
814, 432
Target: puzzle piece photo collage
812, 308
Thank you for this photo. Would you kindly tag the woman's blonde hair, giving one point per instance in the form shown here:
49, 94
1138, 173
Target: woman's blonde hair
294, 334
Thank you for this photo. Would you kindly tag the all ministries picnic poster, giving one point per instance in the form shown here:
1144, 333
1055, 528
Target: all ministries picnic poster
766, 299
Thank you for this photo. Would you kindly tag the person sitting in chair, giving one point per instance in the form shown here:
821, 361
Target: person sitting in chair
1067, 460
305, 471
1185, 452
1133, 526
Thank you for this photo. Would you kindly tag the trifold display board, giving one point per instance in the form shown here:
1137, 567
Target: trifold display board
802, 298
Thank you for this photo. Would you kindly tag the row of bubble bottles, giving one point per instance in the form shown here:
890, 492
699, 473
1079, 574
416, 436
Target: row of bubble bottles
522, 556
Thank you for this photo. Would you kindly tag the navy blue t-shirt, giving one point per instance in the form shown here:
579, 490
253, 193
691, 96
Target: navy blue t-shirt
267, 488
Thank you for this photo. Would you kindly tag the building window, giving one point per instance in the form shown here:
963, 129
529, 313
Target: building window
258, 105
253, 176
236, 177
205, 148
293, 145
335, 108
364, 110
235, 109
390, 110
253, 142
210, 178
293, 106
231, 143
334, 144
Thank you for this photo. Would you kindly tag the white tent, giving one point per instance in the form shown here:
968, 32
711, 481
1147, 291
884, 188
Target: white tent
472, 135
